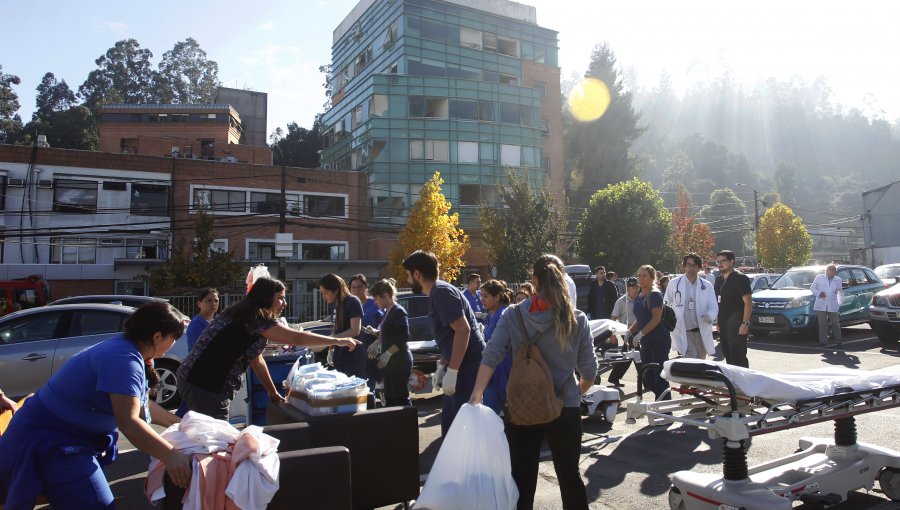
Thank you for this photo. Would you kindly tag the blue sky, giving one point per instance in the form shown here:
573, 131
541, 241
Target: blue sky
277, 46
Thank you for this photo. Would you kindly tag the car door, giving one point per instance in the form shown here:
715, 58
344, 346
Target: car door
86, 328
27, 345
849, 307
865, 286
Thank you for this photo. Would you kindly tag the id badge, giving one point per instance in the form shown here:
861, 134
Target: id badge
691, 304
719, 299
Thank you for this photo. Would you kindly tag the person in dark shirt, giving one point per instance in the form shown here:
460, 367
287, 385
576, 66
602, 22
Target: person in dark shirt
648, 332
602, 296
372, 316
455, 331
735, 306
347, 323
211, 374
394, 355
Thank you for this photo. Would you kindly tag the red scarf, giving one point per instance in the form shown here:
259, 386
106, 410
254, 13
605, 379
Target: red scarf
538, 305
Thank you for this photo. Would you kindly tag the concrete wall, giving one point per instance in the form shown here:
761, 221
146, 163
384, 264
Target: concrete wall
880, 216
253, 107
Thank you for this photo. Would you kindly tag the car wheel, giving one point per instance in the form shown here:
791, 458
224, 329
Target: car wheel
885, 332
165, 393
759, 332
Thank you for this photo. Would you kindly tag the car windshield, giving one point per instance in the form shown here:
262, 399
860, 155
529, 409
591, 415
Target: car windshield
888, 272
796, 279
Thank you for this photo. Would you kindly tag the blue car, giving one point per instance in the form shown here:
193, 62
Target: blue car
787, 305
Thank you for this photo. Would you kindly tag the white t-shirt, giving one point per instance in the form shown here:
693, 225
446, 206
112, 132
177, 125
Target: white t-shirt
573, 294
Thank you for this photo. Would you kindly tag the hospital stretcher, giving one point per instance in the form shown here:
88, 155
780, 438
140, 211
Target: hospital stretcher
598, 397
734, 404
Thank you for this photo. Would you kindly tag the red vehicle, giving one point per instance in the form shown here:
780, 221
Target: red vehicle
22, 293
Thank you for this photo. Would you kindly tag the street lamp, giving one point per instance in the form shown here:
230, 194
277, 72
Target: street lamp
755, 218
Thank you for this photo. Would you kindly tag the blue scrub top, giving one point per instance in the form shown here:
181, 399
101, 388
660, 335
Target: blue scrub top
446, 304
196, 328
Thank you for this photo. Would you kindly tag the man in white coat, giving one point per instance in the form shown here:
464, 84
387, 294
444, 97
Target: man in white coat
694, 301
829, 292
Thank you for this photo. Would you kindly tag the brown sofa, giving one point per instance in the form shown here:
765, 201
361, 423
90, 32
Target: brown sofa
383, 445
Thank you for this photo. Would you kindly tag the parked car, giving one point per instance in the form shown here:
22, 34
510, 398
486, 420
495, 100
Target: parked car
35, 343
884, 314
889, 272
761, 281
787, 305
583, 277
113, 299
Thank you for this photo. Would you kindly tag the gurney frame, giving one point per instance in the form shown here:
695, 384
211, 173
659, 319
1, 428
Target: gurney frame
821, 472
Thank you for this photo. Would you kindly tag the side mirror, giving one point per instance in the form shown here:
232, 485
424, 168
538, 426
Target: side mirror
845, 284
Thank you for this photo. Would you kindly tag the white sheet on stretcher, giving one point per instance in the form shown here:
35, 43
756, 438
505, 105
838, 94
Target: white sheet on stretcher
793, 386
599, 326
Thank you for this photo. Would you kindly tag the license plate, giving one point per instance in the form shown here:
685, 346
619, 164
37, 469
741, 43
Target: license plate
766, 320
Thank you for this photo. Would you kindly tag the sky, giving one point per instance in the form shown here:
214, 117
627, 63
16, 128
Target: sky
277, 46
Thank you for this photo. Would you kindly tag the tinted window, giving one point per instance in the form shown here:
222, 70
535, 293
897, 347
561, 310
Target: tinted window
796, 279
860, 277
415, 306
872, 276
38, 326
844, 274
95, 322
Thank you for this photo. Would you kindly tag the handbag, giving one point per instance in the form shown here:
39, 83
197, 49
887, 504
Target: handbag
530, 395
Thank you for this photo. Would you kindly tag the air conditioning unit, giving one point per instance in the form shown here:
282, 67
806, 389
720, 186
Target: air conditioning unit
45, 184
15, 183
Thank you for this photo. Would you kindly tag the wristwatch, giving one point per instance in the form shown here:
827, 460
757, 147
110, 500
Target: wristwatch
746, 323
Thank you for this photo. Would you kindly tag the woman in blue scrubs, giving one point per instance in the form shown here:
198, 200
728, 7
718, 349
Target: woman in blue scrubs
57, 441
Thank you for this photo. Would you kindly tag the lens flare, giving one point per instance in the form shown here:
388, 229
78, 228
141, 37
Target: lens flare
589, 100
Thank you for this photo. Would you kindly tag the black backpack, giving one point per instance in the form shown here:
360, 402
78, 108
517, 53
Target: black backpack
668, 317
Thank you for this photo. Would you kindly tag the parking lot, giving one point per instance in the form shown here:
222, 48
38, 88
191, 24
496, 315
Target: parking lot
628, 466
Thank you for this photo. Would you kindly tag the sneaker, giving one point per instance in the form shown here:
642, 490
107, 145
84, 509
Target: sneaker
617, 383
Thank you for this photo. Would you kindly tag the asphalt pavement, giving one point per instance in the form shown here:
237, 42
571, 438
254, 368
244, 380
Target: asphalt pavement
628, 467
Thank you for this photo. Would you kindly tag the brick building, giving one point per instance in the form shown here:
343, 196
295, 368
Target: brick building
91, 222
192, 131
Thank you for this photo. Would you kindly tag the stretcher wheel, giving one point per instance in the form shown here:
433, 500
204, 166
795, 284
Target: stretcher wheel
609, 412
676, 500
889, 480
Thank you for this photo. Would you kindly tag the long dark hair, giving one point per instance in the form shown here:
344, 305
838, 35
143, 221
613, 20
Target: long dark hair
151, 318
552, 288
258, 302
498, 289
336, 284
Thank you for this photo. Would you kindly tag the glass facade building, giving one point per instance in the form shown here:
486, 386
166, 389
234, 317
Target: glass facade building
467, 88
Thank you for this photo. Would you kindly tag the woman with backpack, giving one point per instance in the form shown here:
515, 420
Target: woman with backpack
548, 321
648, 329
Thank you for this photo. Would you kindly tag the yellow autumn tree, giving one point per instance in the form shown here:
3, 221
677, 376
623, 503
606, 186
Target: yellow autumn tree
783, 241
431, 227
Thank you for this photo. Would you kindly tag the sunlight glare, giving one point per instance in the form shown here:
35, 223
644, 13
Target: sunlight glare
589, 100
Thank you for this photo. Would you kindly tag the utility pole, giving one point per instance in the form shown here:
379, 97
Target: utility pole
282, 222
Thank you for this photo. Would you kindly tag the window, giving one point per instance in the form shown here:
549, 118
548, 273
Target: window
486, 111
509, 113
324, 206
379, 105
545, 125
265, 203
149, 199
467, 110
2, 192
71, 196
475, 194
220, 200
128, 145
416, 106
261, 251
488, 153
429, 150
430, 107
388, 207
390, 36
527, 116
73, 250
363, 60
489, 42
467, 152
859, 277
207, 149
144, 249
95, 322
470, 38
219, 245
530, 156
323, 251
506, 46
507, 79
511, 155
541, 87
131, 288
35, 327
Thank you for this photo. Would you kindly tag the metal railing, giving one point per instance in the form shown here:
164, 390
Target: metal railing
301, 306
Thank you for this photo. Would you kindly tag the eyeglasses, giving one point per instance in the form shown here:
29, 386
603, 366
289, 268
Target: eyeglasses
721, 261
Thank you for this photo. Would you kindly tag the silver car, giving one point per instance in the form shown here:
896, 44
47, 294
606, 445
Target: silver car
36, 342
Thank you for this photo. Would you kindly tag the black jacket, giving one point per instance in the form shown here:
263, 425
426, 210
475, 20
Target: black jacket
610, 293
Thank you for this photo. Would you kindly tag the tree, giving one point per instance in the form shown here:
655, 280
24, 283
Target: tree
688, 235
679, 172
185, 75
726, 215
430, 226
598, 152
189, 269
123, 74
786, 181
52, 96
74, 128
10, 122
526, 226
626, 225
300, 147
783, 240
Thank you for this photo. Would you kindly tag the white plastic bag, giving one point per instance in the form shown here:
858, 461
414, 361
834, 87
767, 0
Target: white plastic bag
472, 469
